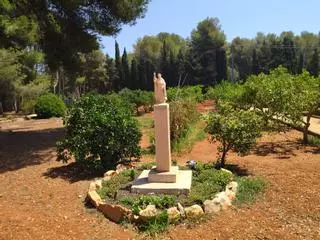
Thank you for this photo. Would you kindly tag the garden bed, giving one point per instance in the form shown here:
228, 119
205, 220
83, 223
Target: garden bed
212, 191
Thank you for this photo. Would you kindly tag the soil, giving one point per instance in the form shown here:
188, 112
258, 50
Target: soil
41, 198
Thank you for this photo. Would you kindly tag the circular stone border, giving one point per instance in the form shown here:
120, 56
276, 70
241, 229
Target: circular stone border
117, 213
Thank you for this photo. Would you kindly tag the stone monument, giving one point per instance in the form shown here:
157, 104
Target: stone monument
163, 178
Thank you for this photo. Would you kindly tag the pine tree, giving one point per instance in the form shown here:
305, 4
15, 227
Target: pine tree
141, 75
118, 67
112, 74
125, 70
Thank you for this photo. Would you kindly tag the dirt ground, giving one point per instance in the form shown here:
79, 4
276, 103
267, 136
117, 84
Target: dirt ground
43, 199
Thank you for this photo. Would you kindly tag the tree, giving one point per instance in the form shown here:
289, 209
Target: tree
314, 64
281, 96
126, 78
300, 63
134, 75
112, 74
221, 65
234, 129
255, 67
206, 40
119, 83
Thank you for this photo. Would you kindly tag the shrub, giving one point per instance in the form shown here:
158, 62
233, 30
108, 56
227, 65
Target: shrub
138, 98
235, 129
182, 113
50, 105
248, 188
188, 92
100, 129
156, 225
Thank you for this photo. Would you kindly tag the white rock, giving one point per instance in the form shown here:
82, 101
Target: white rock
110, 173
94, 198
232, 186
212, 206
181, 210
149, 212
173, 214
226, 170
231, 195
223, 199
194, 211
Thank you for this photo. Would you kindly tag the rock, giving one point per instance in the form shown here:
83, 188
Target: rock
212, 206
181, 210
173, 214
94, 198
110, 173
226, 170
98, 183
30, 116
106, 178
232, 186
231, 195
115, 213
194, 211
92, 187
223, 199
149, 212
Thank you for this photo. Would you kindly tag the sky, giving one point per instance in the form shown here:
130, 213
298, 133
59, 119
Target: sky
243, 18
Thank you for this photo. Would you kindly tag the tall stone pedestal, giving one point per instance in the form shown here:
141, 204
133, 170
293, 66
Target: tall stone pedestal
163, 178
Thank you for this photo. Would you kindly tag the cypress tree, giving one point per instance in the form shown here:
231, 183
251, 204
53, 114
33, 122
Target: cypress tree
125, 70
118, 67
300, 63
314, 64
221, 63
134, 75
255, 65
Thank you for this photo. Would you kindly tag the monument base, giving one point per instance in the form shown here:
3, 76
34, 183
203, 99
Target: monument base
163, 177
181, 186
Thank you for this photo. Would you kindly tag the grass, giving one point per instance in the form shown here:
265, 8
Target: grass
206, 183
248, 189
313, 140
156, 225
194, 134
109, 188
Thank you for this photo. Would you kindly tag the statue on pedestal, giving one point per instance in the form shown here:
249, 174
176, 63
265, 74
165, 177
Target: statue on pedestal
160, 91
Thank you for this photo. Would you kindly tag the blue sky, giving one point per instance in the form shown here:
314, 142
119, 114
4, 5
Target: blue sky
242, 18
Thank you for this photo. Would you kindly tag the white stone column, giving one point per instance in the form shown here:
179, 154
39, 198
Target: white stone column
162, 137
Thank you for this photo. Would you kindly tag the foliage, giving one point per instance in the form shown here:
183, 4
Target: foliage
100, 128
109, 188
206, 183
314, 140
187, 92
49, 105
182, 114
285, 97
235, 130
138, 203
248, 187
138, 98
156, 225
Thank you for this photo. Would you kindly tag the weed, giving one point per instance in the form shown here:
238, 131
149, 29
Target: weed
248, 188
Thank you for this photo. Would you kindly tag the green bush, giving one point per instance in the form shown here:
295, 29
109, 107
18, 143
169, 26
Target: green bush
156, 225
100, 129
50, 105
187, 92
183, 113
138, 98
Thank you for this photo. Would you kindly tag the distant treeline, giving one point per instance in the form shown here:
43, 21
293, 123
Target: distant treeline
53, 46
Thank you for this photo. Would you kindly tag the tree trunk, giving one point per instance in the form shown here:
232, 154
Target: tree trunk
305, 130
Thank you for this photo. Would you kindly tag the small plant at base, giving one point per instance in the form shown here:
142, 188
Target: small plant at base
156, 225
248, 188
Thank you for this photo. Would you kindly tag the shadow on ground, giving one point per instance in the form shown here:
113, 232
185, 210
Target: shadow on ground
19, 149
73, 172
283, 149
